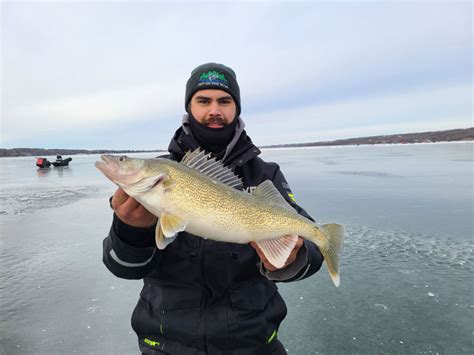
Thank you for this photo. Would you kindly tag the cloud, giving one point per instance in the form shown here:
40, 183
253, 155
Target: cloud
96, 109
434, 109
68, 67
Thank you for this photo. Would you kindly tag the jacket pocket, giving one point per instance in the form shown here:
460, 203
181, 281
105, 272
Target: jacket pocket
180, 314
147, 315
248, 321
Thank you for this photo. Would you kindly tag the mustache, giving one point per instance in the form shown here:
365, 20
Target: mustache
215, 120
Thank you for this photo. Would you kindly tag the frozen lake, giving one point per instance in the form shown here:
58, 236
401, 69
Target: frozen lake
406, 271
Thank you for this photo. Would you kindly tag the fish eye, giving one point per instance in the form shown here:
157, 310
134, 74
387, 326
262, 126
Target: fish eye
122, 158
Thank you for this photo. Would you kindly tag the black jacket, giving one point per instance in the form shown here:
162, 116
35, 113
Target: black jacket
201, 296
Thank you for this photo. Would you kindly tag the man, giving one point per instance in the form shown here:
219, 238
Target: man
201, 296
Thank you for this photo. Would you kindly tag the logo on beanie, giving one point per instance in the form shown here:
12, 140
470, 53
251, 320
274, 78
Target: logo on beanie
213, 77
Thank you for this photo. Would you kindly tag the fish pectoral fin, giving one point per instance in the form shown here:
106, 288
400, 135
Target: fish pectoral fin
147, 183
171, 224
160, 239
269, 192
278, 250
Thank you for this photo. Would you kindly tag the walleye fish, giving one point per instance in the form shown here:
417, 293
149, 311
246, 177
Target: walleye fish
202, 197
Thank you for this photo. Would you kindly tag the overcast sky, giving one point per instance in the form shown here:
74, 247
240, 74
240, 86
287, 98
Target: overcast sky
112, 74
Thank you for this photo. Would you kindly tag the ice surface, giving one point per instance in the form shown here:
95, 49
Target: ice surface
407, 211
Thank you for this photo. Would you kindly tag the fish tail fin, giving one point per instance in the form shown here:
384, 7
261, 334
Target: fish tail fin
332, 249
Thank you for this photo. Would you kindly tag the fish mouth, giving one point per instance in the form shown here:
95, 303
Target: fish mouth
110, 166
107, 166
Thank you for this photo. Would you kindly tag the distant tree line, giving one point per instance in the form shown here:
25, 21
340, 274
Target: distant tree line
452, 135
39, 152
466, 134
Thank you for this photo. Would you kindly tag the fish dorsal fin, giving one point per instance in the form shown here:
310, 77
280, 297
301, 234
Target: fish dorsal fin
203, 162
278, 250
269, 192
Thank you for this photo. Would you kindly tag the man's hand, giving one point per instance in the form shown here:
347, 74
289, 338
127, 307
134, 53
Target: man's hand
290, 259
130, 212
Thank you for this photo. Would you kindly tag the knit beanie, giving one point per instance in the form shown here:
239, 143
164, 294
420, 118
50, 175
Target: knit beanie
213, 76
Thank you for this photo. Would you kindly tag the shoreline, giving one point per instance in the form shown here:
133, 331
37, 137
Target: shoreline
262, 148
53, 157
446, 136
365, 145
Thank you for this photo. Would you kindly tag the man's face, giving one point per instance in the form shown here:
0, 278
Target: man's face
213, 108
